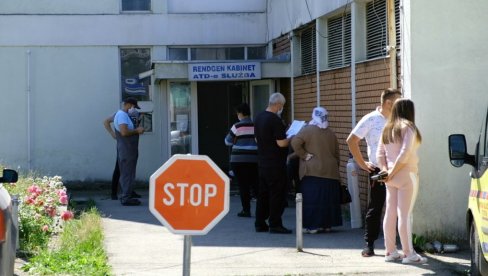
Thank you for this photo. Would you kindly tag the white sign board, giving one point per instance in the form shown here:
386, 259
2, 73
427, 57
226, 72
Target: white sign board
224, 71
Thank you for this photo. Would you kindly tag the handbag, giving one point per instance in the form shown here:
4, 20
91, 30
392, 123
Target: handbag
345, 195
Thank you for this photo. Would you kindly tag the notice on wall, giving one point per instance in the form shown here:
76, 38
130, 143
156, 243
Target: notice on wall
224, 71
182, 122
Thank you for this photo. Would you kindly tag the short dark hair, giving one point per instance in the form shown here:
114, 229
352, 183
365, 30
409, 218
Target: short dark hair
244, 109
389, 94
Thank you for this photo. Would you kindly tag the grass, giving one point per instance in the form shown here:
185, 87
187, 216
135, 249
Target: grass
78, 251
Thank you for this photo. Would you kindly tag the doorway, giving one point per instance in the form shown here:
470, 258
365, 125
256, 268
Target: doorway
216, 102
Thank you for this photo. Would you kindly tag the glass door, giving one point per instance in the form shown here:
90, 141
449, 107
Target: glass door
180, 118
260, 91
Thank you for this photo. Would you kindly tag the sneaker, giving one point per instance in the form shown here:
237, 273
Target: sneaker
135, 195
279, 230
310, 231
414, 259
368, 251
393, 256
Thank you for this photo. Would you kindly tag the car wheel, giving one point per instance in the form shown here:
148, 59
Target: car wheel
476, 253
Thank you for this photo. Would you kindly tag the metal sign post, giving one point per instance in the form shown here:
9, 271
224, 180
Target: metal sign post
187, 255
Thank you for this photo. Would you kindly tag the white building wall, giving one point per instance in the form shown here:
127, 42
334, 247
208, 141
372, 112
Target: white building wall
287, 15
132, 29
216, 6
59, 7
449, 87
73, 90
75, 78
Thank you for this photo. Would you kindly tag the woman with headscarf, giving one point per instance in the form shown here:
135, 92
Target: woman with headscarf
318, 149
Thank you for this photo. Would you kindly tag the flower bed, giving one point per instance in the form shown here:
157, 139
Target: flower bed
42, 210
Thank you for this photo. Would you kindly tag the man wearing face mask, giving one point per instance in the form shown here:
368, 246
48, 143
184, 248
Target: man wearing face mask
134, 116
127, 136
272, 143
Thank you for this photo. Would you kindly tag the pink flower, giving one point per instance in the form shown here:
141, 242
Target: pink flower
50, 211
63, 199
67, 215
61, 192
45, 228
29, 200
32, 189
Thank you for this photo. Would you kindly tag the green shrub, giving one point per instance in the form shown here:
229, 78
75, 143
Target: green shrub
79, 250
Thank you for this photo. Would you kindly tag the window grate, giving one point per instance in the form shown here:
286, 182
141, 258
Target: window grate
377, 28
376, 35
339, 41
308, 51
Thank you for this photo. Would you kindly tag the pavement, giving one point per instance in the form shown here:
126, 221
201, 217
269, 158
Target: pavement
137, 244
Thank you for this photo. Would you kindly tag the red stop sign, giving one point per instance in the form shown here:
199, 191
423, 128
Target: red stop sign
189, 194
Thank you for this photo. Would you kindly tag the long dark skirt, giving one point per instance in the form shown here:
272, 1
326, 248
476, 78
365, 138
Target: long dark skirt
321, 202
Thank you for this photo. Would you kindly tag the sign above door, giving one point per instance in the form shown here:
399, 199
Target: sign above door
224, 71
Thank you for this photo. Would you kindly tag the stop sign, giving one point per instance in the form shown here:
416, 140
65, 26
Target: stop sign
189, 194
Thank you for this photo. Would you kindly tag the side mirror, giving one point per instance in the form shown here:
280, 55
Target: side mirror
9, 176
458, 152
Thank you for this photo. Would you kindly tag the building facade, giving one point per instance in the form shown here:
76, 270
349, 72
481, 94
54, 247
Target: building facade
67, 66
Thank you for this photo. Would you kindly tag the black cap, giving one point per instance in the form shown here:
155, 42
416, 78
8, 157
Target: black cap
133, 101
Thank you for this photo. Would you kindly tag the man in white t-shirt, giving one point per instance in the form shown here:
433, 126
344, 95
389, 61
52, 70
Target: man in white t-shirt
370, 127
127, 136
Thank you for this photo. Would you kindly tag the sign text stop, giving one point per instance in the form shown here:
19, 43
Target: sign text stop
189, 194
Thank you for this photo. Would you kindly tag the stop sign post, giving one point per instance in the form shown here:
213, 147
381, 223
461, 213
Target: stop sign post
189, 194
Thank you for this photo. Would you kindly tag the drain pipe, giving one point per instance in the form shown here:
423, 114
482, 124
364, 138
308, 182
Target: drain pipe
317, 59
28, 90
353, 63
392, 42
292, 76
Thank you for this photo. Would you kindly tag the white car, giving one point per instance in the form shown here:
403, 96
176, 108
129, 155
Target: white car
8, 231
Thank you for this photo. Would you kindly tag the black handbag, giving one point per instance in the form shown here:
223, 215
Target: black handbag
345, 195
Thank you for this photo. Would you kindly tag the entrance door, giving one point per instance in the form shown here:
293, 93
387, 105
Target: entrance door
216, 102
260, 91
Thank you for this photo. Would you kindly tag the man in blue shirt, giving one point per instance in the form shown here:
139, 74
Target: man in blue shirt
127, 147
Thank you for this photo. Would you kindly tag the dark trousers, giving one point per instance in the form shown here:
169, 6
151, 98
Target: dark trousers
115, 178
247, 179
271, 200
375, 209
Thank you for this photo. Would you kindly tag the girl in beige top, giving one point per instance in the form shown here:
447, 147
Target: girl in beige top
397, 155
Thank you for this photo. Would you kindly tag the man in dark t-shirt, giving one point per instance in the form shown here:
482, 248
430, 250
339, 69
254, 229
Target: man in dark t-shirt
272, 143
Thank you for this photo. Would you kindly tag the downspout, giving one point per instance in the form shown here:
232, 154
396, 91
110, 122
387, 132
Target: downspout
353, 63
292, 76
28, 90
317, 61
392, 42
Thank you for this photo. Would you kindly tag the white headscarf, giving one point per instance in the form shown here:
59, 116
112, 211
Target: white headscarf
319, 117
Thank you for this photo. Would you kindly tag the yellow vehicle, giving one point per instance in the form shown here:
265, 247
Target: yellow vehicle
477, 213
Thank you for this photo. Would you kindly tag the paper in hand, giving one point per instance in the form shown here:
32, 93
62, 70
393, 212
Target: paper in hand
294, 128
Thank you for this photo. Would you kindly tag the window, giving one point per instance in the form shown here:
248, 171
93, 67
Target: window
339, 41
178, 53
134, 61
254, 53
308, 50
377, 29
232, 53
136, 5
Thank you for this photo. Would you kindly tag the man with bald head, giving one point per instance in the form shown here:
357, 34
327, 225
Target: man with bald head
270, 133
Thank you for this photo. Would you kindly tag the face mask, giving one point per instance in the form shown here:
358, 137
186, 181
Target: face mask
131, 110
279, 112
